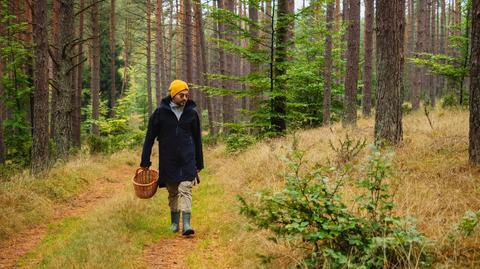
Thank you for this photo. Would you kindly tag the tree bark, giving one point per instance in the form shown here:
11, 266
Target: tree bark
420, 48
160, 76
113, 72
126, 49
179, 44
351, 79
279, 98
187, 42
76, 114
254, 66
327, 71
367, 72
433, 50
54, 41
149, 60
63, 114
390, 24
95, 66
474, 132
201, 54
40, 110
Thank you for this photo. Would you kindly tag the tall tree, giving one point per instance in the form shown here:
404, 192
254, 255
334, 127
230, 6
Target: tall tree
65, 68
254, 33
160, 76
225, 63
3, 149
390, 23
95, 65
367, 71
420, 48
40, 109
201, 53
327, 71
76, 114
113, 70
54, 45
353, 49
278, 119
474, 133
433, 50
149, 59
187, 40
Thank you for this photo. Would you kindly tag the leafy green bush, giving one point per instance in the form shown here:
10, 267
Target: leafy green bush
449, 101
311, 212
238, 141
98, 144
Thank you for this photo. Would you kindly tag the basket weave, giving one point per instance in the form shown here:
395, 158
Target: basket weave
145, 183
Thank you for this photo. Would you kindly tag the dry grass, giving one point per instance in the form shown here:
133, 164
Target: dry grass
26, 201
433, 182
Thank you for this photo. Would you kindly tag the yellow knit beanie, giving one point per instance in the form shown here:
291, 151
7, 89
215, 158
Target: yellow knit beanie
177, 86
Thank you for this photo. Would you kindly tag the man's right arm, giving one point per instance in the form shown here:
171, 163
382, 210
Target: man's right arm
152, 132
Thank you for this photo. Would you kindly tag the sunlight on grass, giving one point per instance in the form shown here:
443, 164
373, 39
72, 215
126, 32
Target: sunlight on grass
112, 236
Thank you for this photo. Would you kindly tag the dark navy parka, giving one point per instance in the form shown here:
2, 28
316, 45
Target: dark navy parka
180, 143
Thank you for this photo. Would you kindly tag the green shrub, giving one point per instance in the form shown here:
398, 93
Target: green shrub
311, 212
450, 101
238, 141
98, 144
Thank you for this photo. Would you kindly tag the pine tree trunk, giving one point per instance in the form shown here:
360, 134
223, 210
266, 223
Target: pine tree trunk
187, 42
420, 48
76, 114
327, 72
126, 56
3, 149
433, 50
113, 88
95, 66
367, 77
228, 101
351, 79
201, 54
149, 60
254, 66
179, 46
390, 23
63, 127
282, 35
40, 154
160, 76
55, 39
474, 132
170, 45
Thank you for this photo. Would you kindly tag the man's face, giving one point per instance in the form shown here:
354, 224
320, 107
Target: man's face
181, 98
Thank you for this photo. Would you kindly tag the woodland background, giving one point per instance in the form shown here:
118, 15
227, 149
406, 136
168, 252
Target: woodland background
290, 94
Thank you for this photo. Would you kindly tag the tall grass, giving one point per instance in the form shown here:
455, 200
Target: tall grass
26, 201
433, 183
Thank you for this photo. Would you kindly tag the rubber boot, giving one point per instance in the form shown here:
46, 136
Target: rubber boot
175, 216
187, 230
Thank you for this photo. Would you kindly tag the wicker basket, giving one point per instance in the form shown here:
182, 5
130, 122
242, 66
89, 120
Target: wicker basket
145, 183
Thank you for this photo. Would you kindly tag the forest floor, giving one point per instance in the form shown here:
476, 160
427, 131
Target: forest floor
105, 226
22, 243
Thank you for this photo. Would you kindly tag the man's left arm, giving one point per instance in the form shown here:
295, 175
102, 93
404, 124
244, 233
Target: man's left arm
197, 138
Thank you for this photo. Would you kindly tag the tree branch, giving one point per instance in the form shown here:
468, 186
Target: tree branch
87, 7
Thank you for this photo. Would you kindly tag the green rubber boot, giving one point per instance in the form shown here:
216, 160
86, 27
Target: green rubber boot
187, 230
175, 216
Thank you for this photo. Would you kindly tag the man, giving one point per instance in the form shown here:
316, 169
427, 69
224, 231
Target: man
176, 126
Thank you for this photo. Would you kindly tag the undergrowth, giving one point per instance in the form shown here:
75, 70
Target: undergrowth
311, 213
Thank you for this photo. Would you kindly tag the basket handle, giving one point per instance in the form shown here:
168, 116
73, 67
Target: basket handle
141, 169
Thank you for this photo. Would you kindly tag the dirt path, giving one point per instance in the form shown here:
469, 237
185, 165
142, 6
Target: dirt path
169, 253
18, 246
